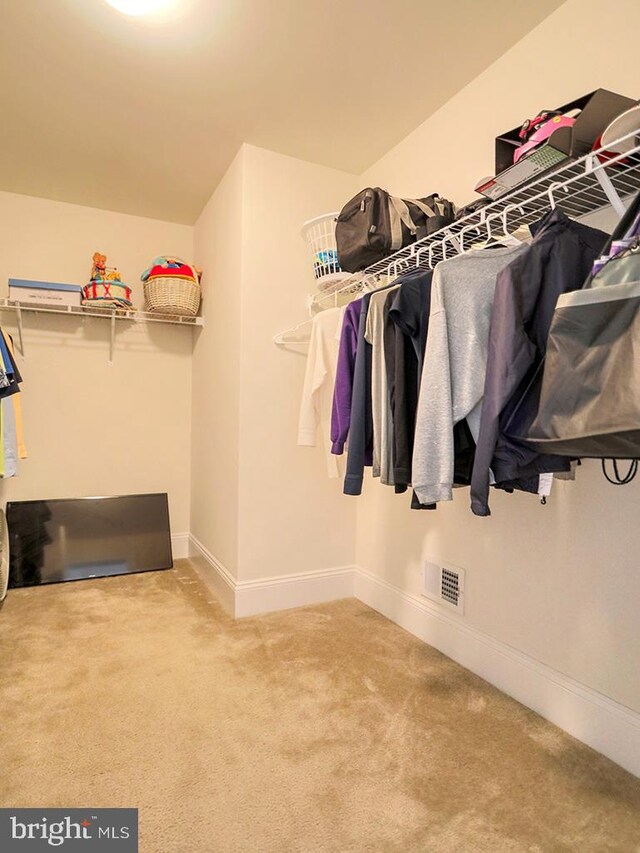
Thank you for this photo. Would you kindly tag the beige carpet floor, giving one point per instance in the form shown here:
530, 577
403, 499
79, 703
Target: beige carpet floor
321, 729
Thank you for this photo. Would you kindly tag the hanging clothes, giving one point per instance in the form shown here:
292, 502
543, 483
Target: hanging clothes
360, 451
345, 372
11, 440
410, 309
557, 261
17, 410
11, 377
403, 379
437, 374
406, 324
453, 375
382, 459
317, 393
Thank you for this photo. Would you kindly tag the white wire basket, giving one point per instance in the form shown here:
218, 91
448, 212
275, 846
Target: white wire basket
320, 235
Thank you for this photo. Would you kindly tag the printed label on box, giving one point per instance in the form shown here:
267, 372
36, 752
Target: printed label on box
47, 297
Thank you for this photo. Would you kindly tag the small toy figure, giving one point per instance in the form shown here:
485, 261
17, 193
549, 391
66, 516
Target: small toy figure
99, 266
106, 288
101, 272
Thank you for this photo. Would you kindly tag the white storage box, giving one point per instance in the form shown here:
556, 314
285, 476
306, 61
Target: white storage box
44, 293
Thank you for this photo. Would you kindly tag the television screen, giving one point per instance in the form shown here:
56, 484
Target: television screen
76, 538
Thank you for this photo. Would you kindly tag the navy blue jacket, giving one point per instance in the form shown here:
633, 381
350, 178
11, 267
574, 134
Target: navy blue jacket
558, 260
360, 451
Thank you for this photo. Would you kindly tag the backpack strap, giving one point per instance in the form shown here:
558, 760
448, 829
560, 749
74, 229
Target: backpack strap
399, 213
428, 211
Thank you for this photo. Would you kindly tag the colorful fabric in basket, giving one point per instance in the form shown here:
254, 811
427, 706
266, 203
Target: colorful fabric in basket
165, 266
107, 294
326, 262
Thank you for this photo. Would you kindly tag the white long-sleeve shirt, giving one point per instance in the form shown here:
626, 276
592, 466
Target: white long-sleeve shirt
319, 378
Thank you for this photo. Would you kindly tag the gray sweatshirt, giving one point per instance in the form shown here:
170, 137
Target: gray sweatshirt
455, 362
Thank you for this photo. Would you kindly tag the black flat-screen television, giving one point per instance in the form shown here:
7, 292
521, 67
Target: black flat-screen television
78, 538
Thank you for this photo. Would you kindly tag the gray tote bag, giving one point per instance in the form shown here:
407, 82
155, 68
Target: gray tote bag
590, 398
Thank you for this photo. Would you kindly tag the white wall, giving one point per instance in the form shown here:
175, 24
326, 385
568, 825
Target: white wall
216, 371
261, 506
580, 47
559, 583
292, 517
91, 428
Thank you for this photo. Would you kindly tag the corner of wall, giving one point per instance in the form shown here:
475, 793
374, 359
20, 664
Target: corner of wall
218, 235
279, 194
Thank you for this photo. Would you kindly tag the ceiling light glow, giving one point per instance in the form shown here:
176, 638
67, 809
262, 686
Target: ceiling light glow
141, 7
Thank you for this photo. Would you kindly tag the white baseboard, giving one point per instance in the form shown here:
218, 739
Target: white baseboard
216, 576
180, 545
287, 591
601, 723
249, 598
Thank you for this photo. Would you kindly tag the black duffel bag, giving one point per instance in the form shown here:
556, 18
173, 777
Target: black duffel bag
375, 224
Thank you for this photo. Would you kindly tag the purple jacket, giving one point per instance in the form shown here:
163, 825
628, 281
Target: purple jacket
342, 392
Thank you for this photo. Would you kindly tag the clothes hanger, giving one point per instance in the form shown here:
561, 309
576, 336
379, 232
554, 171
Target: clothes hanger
288, 337
490, 239
418, 253
515, 241
555, 186
472, 228
497, 240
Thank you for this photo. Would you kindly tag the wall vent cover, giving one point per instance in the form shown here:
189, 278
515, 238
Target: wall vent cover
444, 584
450, 586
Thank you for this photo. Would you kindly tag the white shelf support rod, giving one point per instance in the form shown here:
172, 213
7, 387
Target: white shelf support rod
610, 191
20, 337
112, 338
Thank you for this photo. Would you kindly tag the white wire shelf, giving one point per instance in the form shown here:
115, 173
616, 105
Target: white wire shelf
112, 314
580, 187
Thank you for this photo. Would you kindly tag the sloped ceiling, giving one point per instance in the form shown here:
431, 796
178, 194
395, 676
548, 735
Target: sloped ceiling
144, 115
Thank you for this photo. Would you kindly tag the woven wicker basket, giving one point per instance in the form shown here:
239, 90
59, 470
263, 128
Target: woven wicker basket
170, 295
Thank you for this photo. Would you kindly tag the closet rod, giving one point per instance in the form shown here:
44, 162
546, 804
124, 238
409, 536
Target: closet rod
583, 186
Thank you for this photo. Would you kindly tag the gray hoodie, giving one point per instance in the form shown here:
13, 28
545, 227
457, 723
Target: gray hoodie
455, 362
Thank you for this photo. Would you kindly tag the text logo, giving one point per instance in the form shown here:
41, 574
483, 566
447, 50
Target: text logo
69, 830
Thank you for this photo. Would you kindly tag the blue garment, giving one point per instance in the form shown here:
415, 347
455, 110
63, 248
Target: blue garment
9, 374
360, 452
6, 358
